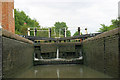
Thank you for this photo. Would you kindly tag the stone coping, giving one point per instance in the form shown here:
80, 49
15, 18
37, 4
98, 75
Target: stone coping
8, 34
105, 34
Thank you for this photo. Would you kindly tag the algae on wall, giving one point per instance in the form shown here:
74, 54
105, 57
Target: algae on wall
17, 56
102, 53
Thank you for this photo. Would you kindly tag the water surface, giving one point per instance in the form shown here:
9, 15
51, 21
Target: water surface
61, 71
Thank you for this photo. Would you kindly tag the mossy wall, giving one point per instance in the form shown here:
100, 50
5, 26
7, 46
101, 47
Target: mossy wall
17, 54
102, 53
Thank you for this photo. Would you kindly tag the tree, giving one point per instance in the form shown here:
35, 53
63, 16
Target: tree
115, 24
20, 19
104, 28
76, 33
68, 33
60, 26
23, 29
43, 33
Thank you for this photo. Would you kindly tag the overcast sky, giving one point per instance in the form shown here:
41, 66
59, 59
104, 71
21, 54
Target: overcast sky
76, 13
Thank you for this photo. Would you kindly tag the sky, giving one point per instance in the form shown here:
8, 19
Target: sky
76, 13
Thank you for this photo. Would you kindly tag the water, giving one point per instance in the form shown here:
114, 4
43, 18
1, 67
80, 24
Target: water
41, 57
61, 71
57, 56
80, 57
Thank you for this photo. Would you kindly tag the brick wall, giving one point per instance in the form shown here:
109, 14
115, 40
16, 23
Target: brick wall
0, 12
8, 22
0, 54
102, 53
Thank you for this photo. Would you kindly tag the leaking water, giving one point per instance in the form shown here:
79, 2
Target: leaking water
61, 71
57, 56
41, 57
80, 57
35, 58
58, 75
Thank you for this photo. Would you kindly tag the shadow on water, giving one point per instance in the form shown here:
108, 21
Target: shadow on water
61, 71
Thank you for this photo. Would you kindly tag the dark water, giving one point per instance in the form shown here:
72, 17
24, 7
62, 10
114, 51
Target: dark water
61, 71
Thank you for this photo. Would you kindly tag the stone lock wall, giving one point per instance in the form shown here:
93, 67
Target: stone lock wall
102, 53
17, 54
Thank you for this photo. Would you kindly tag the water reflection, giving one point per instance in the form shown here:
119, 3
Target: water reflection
35, 72
58, 76
61, 71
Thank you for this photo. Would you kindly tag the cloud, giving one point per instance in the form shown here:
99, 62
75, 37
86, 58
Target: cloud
76, 13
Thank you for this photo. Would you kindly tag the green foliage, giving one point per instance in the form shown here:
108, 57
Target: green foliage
43, 33
104, 28
53, 33
62, 26
76, 33
20, 19
68, 33
115, 24
22, 22
23, 29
